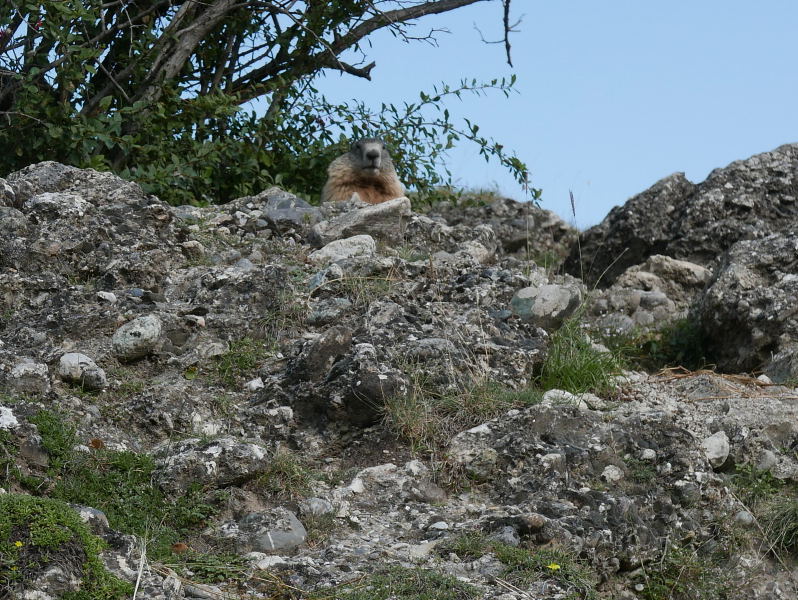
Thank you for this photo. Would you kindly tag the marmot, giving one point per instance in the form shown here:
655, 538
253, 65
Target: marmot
366, 169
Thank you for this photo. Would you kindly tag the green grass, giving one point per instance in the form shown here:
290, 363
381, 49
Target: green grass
407, 584
524, 565
120, 484
573, 365
780, 522
287, 476
428, 420
210, 568
681, 574
38, 532
678, 344
241, 360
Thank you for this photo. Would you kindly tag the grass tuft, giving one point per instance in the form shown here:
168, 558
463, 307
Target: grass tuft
574, 365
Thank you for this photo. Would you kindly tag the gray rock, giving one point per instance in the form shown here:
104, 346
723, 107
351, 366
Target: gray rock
29, 377
270, 531
137, 338
385, 222
77, 368
716, 447
522, 228
747, 309
7, 194
358, 245
748, 199
284, 211
218, 463
7, 419
316, 507
546, 306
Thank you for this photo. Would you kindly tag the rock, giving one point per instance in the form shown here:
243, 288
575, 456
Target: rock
612, 474
359, 245
749, 199
7, 419
316, 507
318, 356
137, 338
522, 228
384, 222
546, 306
745, 311
716, 448
218, 463
284, 211
29, 377
77, 368
271, 531
767, 460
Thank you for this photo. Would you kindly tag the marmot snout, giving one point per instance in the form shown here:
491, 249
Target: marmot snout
367, 169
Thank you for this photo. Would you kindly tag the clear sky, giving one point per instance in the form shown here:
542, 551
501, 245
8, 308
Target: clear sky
613, 95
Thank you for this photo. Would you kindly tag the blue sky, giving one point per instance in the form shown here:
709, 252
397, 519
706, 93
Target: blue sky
612, 95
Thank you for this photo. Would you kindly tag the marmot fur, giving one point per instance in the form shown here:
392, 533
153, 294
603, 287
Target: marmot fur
366, 169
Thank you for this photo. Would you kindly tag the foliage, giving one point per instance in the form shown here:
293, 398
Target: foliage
682, 574
523, 565
162, 93
241, 359
35, 532
410, 584
574, 365
120, 484
287, 476
773, 502
678, 344
210, 568
780, 517
428, 419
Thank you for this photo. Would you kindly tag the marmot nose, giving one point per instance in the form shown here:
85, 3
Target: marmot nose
372, 154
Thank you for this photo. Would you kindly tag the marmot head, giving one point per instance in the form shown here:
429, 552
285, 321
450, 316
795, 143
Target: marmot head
370, 155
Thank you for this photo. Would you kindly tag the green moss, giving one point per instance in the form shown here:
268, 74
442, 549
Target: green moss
38, 532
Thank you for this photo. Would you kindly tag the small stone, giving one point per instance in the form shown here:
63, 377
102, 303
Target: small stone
254, 385
767, 460
7, 419
439, 526
316, 507
611, 474
546, 306
358, 245
108, 297
79, 369
716, 448
744, 518
137, 338
29, 377
648, 455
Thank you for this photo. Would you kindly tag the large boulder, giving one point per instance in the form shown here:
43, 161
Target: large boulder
749, 199
748, 312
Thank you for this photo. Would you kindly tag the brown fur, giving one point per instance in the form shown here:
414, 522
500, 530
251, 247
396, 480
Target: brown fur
359, 171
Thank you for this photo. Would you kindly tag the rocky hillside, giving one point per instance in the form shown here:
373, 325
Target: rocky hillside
268, 399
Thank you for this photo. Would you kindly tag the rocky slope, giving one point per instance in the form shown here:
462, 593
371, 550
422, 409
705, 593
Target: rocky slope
267, 399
